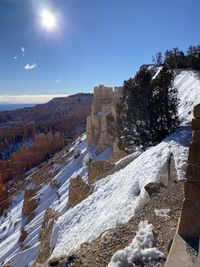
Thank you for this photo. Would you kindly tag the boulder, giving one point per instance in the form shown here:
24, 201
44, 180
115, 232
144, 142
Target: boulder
153, 188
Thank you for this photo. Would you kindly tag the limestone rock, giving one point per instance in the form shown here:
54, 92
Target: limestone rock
78, 191
196, 136
194, 155
4, 204
25, 157
153, 188
197, 111
50, 218
196, 124
29, 204
98, 168
193, 173
104, 103
192, 192
190, 219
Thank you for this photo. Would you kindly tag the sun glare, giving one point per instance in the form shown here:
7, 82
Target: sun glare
48, 20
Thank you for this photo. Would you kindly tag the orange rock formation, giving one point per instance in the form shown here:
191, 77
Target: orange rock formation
104, 103
25, 158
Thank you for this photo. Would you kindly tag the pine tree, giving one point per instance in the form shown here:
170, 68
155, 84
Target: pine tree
165, 104
157, 59
148, 111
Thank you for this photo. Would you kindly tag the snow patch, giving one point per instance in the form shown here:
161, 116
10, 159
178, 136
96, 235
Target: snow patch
140, 250
162, 213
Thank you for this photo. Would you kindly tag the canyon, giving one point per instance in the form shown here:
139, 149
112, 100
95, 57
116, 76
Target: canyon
85, 201
31, 135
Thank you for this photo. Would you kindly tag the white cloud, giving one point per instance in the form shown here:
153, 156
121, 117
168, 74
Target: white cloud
30, 67
58, 81
27, 99
15, 57
23, 51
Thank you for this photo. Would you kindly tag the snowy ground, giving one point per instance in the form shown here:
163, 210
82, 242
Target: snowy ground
115, 198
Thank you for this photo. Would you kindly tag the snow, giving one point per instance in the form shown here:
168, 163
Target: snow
162, 213
188, 84
157, 70
140, 250
117, 197
128, 158
62, 171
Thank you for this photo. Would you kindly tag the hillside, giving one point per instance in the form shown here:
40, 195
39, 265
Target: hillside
38, 224
65, 114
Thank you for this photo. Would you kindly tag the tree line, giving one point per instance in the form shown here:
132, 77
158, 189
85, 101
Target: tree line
176, 58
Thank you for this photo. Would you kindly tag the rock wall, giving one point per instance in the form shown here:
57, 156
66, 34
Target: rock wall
104, 103
25, 158
190, 217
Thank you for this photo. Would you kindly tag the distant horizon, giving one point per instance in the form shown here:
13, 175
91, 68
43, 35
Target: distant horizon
28, 99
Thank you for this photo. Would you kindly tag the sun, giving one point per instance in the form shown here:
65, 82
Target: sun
49, 20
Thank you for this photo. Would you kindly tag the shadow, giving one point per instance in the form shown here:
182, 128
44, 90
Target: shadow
182, 135
193, 242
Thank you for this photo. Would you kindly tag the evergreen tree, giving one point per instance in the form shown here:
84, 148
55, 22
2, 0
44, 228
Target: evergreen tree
157, 59
193, 57
148, 111
165, 105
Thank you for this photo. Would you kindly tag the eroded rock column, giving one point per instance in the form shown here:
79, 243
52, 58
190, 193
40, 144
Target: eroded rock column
190, 218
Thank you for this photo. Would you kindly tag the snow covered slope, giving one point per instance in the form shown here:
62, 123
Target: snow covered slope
66, 165
115, 198
188, 84
118, 196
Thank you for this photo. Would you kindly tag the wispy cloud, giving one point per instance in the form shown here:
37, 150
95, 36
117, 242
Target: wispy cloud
15, 57
27, 99
30, 67
58, 81
23, 51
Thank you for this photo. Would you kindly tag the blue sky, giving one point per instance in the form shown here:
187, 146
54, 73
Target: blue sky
94, 41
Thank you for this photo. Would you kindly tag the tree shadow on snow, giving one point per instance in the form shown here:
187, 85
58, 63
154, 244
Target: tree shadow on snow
182, 135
